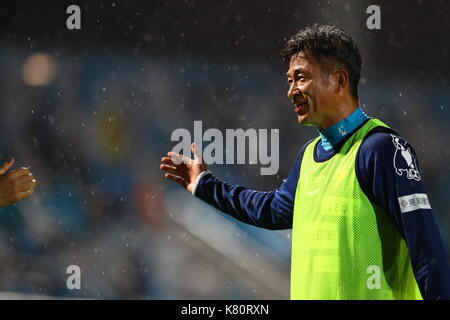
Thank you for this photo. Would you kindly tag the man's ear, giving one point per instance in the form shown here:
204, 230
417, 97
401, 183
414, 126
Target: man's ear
341, 79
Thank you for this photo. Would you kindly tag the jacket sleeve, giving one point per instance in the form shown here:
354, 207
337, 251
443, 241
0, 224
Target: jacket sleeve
388, 172
265, 209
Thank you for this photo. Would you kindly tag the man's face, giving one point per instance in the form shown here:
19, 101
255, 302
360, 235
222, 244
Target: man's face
310, 90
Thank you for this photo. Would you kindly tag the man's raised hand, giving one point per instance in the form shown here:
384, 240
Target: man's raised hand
181, 169
15, 185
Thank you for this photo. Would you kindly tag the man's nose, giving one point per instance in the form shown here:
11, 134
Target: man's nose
292, 90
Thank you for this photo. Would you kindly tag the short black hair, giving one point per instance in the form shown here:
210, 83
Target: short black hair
329, 45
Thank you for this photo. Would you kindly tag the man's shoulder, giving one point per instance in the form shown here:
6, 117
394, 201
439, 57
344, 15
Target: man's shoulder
385, 143
387, 152
303, 148
300, 154
382, 139
378, 141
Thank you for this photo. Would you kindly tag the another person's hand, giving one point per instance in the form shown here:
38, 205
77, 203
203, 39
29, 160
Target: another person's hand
186, 172
15, 185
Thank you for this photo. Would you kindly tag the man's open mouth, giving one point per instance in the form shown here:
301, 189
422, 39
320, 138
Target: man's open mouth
299, 107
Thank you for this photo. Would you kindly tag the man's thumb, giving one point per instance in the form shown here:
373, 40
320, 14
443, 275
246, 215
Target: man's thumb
196, 153
6, 166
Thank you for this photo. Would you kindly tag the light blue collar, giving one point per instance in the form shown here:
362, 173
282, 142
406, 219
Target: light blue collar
334, 134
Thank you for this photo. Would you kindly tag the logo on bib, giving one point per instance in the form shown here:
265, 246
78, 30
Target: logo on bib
404, 162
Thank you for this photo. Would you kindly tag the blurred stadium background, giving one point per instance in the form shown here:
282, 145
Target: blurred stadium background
92, 111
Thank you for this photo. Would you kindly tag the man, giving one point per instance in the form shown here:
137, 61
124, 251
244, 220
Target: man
15, 185
362, 226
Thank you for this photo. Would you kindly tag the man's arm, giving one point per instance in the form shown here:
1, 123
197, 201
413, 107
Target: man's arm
387, 168
270, 210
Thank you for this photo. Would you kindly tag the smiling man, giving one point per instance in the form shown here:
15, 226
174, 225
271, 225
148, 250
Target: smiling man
362, 225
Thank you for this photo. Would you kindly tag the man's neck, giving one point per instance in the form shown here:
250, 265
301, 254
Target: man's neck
338, 131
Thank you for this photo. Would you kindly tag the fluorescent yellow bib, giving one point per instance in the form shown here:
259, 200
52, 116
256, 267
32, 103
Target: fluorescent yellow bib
343, 245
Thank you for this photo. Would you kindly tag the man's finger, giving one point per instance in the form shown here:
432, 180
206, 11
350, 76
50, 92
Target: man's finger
171, 154
196, 153
22, 195
19, 172
178, 158
6, 166
24, 187
175, 178
27, 178
168, 161
170, 169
